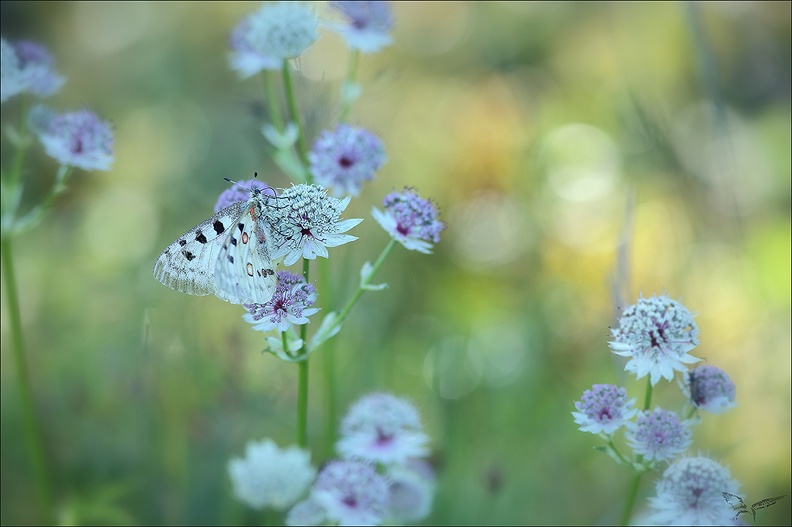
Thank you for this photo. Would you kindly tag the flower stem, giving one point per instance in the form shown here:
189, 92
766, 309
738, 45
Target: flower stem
328, 362
291, 101
362, 288
272, 101
632, 493
349, 83
302, 393
34, 441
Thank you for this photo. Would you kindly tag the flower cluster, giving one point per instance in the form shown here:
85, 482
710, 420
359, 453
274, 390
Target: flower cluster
380, 430
657, 335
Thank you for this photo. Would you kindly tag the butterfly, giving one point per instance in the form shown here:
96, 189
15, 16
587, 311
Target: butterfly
227, 255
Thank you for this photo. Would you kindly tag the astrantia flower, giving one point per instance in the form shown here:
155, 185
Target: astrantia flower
240, 191
603, 409
410, 220
351, 493
27, 66
368, 24
690, 493
710, 388
308, 221
78, 139
345, 157
291, 304
658, 435
411, 491
383, 428
656, 333
276, 32
271, 477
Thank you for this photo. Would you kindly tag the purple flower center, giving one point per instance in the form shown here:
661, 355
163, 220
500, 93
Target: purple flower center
383, 438
346, 162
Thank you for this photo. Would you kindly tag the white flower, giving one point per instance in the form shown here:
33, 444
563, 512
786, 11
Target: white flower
691, 493
308, 221
271, 477
368, 24
604, 409
78, 139
710, 388
27, 67
658, 435
382, 428
410, 220
656, 333
276, 32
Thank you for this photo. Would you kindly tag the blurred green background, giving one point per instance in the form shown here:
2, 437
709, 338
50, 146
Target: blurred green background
555, 138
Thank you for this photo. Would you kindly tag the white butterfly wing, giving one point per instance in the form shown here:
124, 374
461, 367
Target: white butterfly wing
188, 264
244, 272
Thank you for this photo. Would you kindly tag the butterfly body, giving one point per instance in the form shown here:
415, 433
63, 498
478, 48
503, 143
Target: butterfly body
227, 255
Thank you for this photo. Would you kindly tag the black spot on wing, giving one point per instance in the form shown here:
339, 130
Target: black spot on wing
231, 259
218, 227
241, 227
233, 241
182, 242
190, 256
200, 238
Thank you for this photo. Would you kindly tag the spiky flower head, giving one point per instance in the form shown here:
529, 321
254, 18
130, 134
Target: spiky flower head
79, 139
410, 220
307, 221
658, 435
367, 25
343, 158
656, 334
604, 409
351, 493
290, 304
691, 493
710, 388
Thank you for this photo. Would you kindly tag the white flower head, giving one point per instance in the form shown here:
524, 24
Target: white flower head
691, 493
271, 477
382, 428
659, 435
656, 334
276, 32
351, 493
344, 157
604, 409
411, 490
307, 221
410, 220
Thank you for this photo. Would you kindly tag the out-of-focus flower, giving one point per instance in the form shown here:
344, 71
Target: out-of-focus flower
368, 24
351, 493
604, 409
658, 435
276, 32
27, 66
345, 157
656, 334
691, 493
411, 491
383, 428
239, 191
271, 477
410, 220
710, 388
78, 139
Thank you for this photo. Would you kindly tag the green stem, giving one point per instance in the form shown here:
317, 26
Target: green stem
648, 398
328, 363
362, 288
632, 493
272, 101
291, 101
346, 103
32, 432
302, 390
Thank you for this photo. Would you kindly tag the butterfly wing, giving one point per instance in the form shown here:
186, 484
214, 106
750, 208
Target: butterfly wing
188, 264
244, 272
